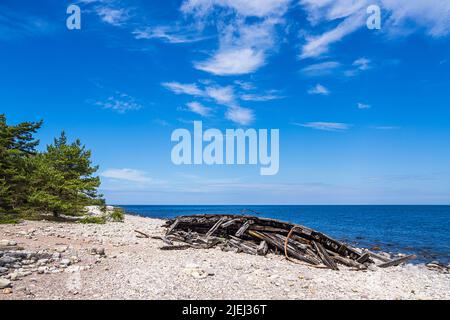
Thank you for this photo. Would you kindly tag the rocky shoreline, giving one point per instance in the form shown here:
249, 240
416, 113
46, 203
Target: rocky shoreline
47, 260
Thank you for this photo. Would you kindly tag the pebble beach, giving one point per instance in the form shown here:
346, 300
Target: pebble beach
48, 260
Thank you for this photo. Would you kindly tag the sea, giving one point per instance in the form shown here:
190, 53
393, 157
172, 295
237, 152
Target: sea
420, 230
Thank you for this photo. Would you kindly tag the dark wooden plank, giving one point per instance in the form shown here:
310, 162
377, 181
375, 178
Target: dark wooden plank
182, 247
326, 259
173, 226
364, 258
142, 234
348, 262
378, 256
279, 244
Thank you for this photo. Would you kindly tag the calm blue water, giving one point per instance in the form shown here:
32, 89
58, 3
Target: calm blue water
422, 230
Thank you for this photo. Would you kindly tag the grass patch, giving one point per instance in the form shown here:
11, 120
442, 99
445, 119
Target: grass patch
93, 220
117, 215
9, 218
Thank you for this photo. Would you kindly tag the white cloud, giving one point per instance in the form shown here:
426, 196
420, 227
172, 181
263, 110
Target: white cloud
115, 17
362, 64
249, 8
363, 106
245, 85
358, 66
126, 175
319, 89
222, 95
167, 33
318, 45
260, 97
225, 95
120, 102
180, 88
432, 16
385, 127
239, 115
320, 69
198, 108
325, 126
233, 62
244, 44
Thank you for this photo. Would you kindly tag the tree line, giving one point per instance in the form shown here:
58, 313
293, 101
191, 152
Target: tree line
60, 180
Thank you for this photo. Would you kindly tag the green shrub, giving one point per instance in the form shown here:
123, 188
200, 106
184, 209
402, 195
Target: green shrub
117, 215
93, 220
9, 218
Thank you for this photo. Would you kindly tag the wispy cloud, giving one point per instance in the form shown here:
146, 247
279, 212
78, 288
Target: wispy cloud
362, 63
321, 69
245, 85
168, 34
239, 115
358, 66
260, 97
385, 127
233, 62
363, 106
243, 45
325, 126
320, 90
222, 95
182, 88
15, 24
198, 108
433, 16
126, 175
120, 102
318, 45
249, 8
115, 17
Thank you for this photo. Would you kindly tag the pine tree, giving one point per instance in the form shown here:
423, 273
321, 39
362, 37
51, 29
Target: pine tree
63, 179
17, 146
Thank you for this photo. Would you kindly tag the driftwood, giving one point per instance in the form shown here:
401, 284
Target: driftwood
396, 262
142, 234
11, 248
259, 236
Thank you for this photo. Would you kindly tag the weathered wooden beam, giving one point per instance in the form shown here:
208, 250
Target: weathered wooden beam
215, 227
349, 262
169, 248
172, 227
378, 256
326, 259
263, 248
279, 244
364, 258
142, 234
244, 228
398, 261
229, 223
11, 248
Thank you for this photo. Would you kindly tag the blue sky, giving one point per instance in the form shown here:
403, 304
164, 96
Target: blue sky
363, 114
